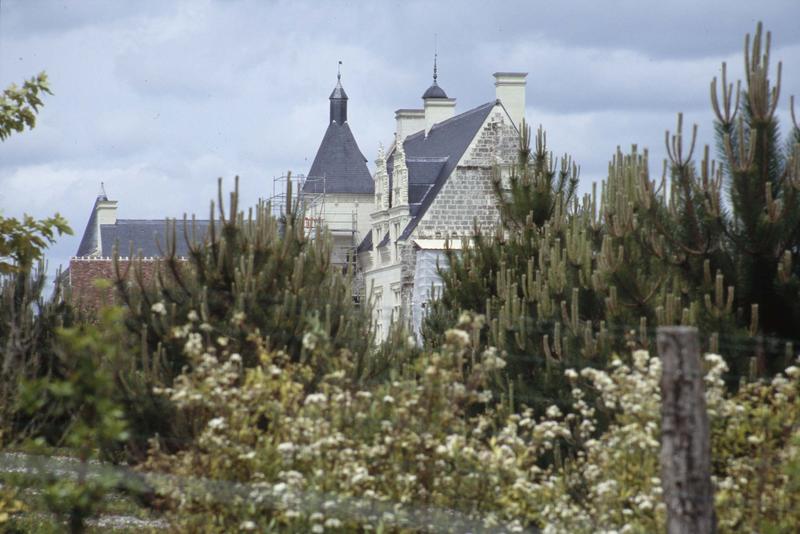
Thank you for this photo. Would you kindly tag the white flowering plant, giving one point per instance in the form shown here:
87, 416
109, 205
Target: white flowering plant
429, 449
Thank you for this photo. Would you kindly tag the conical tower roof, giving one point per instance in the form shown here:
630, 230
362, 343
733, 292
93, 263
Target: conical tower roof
339, 166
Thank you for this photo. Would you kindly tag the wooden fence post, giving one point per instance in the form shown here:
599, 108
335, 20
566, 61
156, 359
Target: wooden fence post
685, 438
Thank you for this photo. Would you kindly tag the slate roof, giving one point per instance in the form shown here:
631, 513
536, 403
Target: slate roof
434, 91
88, 244
338, 91
143, 235
341, 163
366, 243
431, 159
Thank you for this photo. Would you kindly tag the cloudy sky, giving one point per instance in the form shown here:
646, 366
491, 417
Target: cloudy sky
158, 98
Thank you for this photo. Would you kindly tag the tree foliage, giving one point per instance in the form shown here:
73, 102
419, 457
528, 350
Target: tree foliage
564, 282
28, 317
251, 276
22, 243
19, 105
82, 392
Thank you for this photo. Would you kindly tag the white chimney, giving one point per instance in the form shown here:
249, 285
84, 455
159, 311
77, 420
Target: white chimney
438, 110
409, 121
105, 213
510, 91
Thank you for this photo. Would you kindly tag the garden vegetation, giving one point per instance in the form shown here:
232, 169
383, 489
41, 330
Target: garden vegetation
240, 390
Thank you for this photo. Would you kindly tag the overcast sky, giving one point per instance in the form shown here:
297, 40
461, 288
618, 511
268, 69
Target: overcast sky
159, 98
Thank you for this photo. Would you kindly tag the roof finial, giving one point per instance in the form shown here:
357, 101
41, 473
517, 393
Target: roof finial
339, 71
103, 190
435, 55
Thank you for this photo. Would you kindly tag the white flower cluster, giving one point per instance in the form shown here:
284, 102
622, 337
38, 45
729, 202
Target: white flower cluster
425, 437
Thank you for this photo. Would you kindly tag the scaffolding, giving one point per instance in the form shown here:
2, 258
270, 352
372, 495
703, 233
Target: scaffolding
319, 211
280, 188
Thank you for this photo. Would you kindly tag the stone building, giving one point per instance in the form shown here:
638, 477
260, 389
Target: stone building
433, 184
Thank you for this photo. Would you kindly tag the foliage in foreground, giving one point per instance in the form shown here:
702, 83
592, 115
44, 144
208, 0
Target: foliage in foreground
252, 276
565, 283
300, 456
96, 423
28, 319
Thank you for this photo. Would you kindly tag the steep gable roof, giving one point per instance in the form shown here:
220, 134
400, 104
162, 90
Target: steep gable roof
432, 158
88, 245
340, 162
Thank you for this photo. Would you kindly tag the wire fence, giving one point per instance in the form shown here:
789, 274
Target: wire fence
39, 468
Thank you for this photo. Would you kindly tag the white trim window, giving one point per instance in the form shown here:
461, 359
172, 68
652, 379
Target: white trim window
396, 303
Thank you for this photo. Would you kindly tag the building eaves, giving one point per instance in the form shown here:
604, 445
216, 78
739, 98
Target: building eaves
366, 243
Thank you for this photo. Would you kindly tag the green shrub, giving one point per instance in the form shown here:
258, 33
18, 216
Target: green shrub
96, 426
252, 279
29, 319
426, 444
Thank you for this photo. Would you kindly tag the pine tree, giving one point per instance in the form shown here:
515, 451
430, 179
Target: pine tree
565, 283
762, 175
252, 276
252, 273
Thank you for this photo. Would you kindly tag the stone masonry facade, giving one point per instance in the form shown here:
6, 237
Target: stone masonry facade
408, 264
467, 196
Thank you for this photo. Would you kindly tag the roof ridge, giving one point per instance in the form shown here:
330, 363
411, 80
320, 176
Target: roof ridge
452, 119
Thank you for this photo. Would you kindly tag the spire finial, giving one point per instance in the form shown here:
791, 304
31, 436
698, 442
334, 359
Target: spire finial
435, 55
103, 190
339, 71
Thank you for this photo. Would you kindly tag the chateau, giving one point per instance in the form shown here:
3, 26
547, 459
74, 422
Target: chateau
431, 185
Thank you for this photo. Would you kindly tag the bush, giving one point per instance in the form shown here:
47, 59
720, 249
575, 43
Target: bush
253, 279
424, 446
84, 396
29, 320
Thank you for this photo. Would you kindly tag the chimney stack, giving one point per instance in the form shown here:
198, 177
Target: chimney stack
438, 110
510, 91
408, 122
105, 213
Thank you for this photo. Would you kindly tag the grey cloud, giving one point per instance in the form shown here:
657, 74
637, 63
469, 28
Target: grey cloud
157, 99
45, 17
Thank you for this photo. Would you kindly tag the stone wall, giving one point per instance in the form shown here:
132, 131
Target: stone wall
408, 264
467, 196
